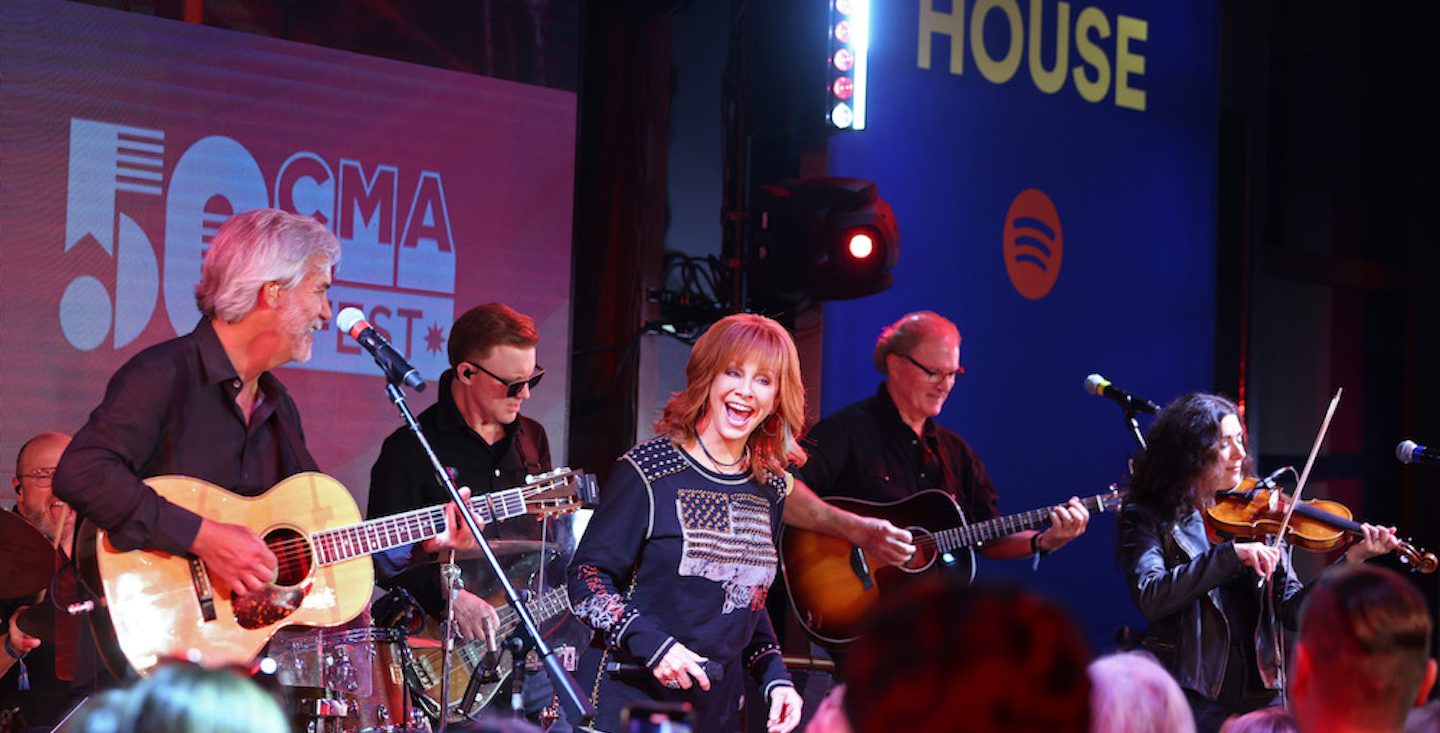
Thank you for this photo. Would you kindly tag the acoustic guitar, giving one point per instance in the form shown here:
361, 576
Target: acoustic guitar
158, 605
833, 584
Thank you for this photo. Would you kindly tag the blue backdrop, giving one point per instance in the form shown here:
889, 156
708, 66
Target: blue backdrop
1129, 165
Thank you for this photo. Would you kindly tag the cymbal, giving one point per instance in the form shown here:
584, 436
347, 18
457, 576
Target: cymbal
38, 621
28, 562
507, 548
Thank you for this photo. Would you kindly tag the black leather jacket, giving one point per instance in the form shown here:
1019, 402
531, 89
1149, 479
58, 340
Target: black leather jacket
1174, 575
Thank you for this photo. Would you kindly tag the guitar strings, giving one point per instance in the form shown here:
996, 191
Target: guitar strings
296, 552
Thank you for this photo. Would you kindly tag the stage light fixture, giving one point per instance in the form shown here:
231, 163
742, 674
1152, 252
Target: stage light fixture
822, 239
861, 245
849, 55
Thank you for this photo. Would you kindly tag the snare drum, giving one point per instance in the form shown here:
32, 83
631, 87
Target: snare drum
364, 668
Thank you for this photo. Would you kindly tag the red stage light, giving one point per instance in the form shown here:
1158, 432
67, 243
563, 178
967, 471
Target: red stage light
844, 59
843, 7
842, 32
861, 245
843, 87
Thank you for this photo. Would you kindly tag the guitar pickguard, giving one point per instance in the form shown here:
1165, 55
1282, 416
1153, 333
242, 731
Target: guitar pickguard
270, 606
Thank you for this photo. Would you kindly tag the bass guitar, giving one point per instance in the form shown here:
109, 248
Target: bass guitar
833, 584
473, 657
158, 605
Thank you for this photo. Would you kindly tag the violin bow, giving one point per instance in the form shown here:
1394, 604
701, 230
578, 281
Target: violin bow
1305, 474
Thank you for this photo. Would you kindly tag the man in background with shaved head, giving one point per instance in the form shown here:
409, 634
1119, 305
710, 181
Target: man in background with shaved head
45, 694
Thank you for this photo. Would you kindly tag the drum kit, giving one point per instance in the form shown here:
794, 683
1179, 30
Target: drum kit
385, 679
367, 679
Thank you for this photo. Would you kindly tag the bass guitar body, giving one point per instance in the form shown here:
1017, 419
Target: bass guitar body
833, 584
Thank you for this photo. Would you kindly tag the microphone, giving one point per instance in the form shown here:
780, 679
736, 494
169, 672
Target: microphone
713, 670
1101, 387
1269, 481
396, 369
1409, 452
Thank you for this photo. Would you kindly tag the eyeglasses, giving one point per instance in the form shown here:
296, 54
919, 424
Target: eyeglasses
934, 376
513, 388
41, 476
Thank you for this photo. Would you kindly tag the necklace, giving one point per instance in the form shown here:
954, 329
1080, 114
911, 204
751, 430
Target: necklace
743, 454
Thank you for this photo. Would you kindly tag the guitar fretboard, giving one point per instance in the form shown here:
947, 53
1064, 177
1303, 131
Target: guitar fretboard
992, 529
378, 535
548, 606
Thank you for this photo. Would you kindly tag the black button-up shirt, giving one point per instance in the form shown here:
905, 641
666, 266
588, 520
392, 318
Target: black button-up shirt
403, 479
171, 410
866, 451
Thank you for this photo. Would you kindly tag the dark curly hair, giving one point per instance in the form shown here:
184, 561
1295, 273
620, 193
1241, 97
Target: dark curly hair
1180, 447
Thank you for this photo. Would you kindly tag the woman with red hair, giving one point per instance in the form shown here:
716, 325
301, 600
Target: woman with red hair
674, 568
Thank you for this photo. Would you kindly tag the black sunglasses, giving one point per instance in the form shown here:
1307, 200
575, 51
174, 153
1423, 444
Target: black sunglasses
512, 388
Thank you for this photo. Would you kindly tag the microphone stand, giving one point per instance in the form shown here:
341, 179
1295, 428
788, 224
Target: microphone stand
450, 577
566, 688
519, 648
1131, 413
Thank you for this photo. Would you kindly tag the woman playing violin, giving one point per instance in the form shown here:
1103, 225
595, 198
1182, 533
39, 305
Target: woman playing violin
1210, 623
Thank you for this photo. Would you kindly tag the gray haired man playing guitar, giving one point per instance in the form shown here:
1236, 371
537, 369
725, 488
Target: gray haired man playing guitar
206, 405
888, 449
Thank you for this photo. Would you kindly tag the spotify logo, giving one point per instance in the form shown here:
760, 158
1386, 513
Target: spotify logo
1033, 244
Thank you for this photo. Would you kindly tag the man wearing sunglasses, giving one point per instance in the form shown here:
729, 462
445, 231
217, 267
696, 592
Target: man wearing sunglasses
477, 431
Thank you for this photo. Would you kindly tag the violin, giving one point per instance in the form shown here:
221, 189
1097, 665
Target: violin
1251, 513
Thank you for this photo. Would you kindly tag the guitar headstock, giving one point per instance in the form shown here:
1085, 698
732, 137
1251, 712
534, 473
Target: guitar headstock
1112, 499
560, 491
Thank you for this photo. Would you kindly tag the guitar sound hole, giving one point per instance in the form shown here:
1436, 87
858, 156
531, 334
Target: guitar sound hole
924, 549
292, 553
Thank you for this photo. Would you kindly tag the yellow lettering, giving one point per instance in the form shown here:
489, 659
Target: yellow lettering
1091, 69
1127, 63
998, 72
1049, 80
1092, 90
950, 24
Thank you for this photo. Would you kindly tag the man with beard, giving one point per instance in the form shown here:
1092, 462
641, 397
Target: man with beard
205, 404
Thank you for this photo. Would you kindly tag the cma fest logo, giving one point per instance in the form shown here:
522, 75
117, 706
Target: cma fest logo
401, 273
1034, 244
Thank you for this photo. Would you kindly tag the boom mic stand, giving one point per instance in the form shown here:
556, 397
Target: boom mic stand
566, 688
1132, 411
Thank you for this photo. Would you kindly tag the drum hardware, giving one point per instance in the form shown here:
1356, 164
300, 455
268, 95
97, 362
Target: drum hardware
356, 675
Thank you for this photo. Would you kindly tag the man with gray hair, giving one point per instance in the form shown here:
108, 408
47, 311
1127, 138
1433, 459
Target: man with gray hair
888, 447
205, 404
